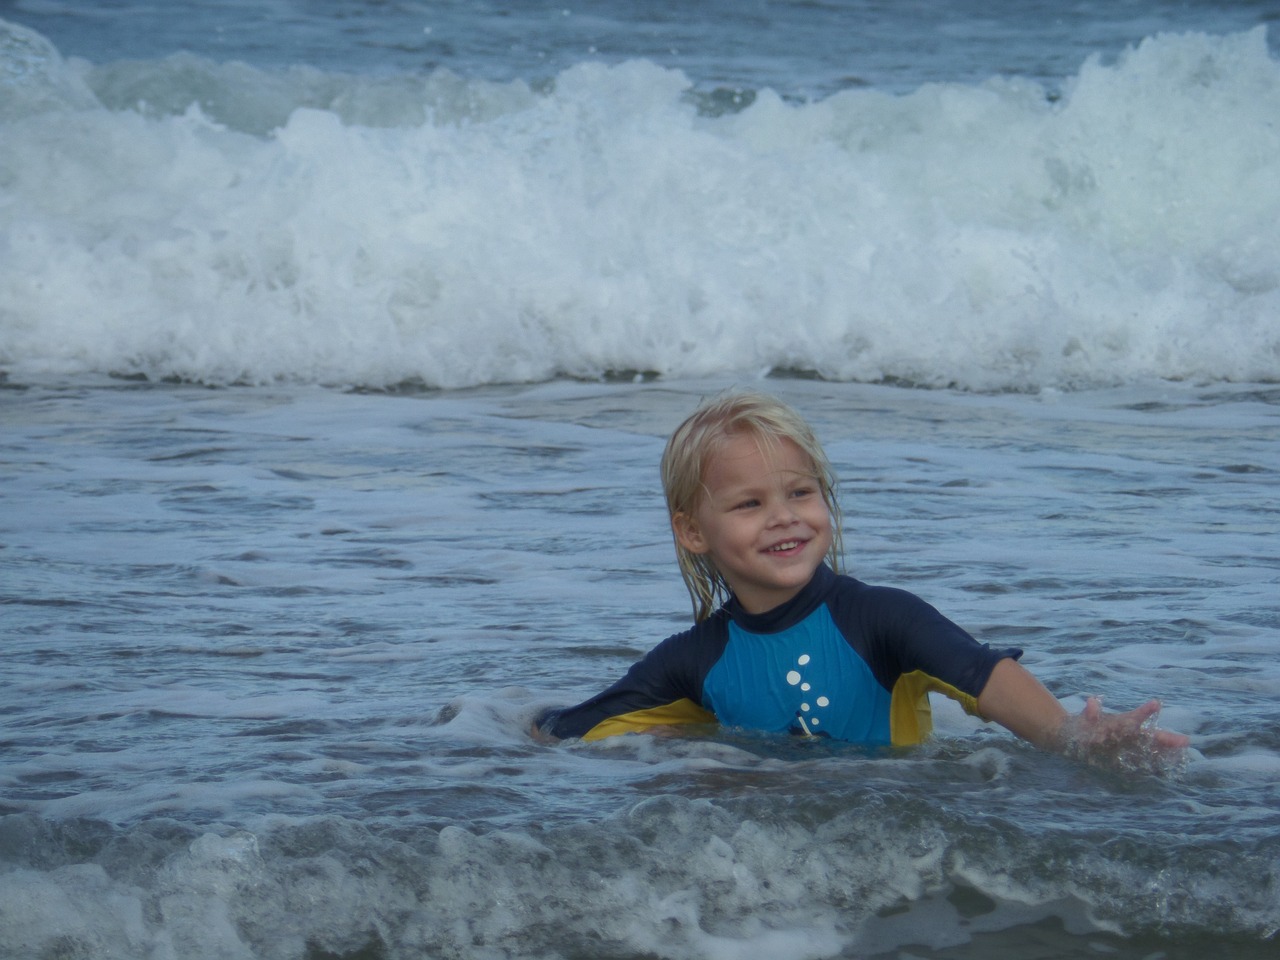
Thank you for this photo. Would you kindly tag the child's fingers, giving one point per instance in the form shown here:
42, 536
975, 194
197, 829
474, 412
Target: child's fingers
1145, 712
1162, 738
1174, 741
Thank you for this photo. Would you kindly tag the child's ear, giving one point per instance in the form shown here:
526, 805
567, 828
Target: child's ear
688, 533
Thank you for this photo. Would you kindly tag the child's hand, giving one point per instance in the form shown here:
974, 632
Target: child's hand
1129, 741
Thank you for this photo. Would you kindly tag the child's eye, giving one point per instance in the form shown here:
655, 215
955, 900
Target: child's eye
746, 504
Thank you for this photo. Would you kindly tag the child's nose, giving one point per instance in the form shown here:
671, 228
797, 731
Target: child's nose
782, 513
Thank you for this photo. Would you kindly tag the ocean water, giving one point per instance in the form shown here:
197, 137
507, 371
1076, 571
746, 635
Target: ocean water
338, 345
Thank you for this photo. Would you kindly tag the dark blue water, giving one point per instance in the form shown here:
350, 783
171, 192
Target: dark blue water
799, 48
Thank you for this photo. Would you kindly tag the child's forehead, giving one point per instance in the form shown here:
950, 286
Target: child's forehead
754, 448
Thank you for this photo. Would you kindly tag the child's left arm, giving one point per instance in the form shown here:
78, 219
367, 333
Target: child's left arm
1018, 701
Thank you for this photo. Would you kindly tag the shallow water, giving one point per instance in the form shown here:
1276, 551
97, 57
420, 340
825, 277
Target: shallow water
271, 654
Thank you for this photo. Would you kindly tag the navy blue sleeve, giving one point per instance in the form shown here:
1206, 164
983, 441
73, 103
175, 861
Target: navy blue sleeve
897, 633
670, 673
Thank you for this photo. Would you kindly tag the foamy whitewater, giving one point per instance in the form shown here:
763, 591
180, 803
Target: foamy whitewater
212, 222
338, 345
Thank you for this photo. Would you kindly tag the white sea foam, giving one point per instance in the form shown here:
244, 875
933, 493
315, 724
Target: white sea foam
672, 878
317, 227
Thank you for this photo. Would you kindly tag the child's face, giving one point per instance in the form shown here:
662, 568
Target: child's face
762, 520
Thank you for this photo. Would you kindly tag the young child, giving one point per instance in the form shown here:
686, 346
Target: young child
782, 642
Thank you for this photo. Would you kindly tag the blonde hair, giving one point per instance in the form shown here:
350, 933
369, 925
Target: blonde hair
689, 452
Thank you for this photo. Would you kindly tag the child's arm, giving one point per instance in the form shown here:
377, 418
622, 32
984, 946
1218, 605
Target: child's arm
1018, 701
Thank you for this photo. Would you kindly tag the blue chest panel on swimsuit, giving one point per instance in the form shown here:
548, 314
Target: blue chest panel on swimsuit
806, 678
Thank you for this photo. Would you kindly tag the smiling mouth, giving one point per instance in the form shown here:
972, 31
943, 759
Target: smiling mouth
786, 546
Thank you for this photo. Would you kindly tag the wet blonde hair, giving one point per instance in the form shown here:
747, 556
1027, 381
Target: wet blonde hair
684, 467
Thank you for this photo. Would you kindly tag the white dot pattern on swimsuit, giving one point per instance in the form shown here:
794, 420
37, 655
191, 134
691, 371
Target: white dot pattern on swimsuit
796, 679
